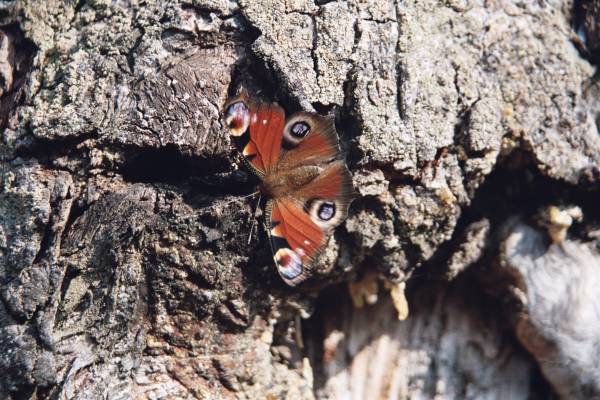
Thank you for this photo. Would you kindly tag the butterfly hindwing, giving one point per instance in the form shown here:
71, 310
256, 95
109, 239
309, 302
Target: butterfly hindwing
299, 227
295, 239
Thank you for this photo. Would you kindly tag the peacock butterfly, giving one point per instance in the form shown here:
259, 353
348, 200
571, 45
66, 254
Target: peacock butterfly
299, 162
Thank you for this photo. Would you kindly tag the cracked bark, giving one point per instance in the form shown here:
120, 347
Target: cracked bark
471, 131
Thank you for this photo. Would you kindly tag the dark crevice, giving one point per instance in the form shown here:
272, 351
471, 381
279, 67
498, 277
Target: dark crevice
16, 316
323, 109
21, 52
46, 242
78, 6
250, 32
399, 90
204, 11
48, 239
349, 121
586, 25
255, 76
201, 182
131, 53
323, 2
24, 391
70, 274
149, 165
75, 212
313, 55
399, 73
167, 164
151, 292
515, 188
47, 150
205, 191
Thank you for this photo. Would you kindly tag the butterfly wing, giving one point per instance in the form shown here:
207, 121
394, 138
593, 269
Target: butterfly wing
299, 226
256, 130
308, 139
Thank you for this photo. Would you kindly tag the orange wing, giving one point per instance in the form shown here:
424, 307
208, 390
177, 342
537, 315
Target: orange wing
299, 226
257, 131
320, 145
295, 239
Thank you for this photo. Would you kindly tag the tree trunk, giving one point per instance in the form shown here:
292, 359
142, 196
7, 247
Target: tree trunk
470, 128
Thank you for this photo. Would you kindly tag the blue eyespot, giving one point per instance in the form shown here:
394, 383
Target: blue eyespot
300, 129
326, 210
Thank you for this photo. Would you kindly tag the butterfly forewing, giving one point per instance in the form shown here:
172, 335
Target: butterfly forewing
319, 145
266, 125
256, 130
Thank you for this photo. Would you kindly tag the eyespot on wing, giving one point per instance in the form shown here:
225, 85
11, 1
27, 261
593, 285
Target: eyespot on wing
237, 118
327, 214
289, 262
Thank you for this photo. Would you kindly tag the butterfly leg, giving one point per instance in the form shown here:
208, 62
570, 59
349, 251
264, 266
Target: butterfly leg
298, 331
254, 218
267, 221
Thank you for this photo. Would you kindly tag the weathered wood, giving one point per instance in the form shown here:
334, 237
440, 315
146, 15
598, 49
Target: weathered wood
125, 270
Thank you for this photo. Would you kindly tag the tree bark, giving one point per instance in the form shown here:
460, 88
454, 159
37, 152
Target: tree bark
470, 128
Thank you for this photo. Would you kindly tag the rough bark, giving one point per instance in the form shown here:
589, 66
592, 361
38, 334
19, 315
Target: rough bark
470, 128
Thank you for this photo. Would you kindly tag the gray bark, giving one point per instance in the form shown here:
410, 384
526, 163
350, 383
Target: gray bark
470, 128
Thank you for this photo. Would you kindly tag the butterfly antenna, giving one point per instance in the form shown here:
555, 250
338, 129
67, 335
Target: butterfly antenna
253, 194
231, 201
254, 218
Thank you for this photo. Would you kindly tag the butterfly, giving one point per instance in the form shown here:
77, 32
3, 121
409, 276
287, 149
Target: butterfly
302, 173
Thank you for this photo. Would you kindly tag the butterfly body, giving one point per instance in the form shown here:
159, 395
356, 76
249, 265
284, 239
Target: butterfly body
284, 183
299, 163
